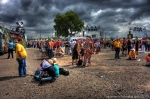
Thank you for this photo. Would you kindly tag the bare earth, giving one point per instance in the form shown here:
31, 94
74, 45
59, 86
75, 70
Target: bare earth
105, 79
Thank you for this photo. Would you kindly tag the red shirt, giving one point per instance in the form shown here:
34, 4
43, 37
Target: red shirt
147, 58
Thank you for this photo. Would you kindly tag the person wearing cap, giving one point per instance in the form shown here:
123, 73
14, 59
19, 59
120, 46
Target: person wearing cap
132, 54
56, 67
147, 59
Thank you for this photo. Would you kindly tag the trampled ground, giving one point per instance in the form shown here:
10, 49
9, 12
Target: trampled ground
105, 79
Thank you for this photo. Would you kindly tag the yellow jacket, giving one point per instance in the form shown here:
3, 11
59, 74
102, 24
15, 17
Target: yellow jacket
117, 44
132, 54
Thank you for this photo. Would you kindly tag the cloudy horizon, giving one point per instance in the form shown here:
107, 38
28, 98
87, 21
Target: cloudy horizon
115, 17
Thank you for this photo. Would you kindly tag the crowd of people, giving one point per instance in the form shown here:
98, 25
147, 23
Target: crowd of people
130, 48
84, 48
79, 49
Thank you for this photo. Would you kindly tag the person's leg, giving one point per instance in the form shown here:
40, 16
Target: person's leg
128, 49
118, 52
142, 48
12, 53
65, 50
147, 63
115, 53
24, 66
8, 53
50, 53
20, 67
73, 57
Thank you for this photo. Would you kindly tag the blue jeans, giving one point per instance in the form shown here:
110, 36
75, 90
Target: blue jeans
117, 53
22, 66
129, 48
50, 53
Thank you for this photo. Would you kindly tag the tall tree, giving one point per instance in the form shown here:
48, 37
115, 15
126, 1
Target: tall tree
68, 21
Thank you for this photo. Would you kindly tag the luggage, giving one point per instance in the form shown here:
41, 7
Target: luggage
63, 72
79, 62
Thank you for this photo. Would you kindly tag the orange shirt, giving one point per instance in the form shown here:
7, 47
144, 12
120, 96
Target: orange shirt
132, 54
51, 44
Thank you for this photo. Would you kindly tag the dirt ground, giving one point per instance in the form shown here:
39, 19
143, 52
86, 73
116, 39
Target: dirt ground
107, 78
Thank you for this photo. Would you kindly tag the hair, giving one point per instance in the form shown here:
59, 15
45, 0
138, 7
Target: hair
50, 61
19, 39
54, 60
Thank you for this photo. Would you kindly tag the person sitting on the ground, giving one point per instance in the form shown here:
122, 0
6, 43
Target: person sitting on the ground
46, 66
132, 54
147, 58
55, 65
59, 52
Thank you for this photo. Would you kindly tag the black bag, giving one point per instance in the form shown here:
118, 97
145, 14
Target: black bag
63, 72
79, 62
129, 43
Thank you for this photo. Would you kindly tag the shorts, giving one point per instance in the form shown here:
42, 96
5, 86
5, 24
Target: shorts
75, 56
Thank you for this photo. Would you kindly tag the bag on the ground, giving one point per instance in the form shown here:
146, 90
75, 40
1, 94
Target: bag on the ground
42, 76
63, 72
79, 62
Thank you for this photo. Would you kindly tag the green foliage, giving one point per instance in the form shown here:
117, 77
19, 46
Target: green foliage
69, 20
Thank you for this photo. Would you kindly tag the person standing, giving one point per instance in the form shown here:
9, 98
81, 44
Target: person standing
137, 44
143, 44
129, 45
10, 49
72, 44
148, 44
67, 47
117, 46
21, 55
124, 47
50, 49
75, 53
89, 49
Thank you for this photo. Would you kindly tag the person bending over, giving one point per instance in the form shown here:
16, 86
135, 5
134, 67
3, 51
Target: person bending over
46, 66
132, 54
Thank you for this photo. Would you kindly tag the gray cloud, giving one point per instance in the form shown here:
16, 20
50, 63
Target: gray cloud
111, 15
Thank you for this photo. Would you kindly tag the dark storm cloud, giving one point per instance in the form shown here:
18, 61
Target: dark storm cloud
25, 4
111, 15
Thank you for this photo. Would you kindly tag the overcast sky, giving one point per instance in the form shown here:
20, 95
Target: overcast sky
115, 17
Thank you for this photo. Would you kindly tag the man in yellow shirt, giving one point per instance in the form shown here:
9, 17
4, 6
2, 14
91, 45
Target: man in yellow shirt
21, 58
117, 46
132, 54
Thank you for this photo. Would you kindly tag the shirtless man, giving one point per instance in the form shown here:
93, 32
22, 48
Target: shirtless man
88, 51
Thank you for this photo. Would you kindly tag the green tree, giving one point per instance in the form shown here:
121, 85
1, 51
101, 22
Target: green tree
69, 20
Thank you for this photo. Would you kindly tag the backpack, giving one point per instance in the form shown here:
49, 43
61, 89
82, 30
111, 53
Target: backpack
79, 62
63, 72
129, 43
37, 75
45, 77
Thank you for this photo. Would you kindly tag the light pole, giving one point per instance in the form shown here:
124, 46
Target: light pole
83, 32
